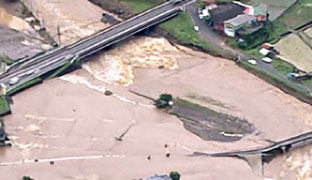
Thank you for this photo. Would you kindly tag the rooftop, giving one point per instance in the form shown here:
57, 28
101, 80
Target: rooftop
225, 12
241, 19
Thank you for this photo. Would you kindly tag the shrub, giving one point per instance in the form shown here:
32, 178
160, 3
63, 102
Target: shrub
163, 101
27, 178
174, 175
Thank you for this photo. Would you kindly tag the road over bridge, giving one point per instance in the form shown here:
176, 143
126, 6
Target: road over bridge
53, 59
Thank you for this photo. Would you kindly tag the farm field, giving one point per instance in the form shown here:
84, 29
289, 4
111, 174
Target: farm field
308, 32
291, 48
276, 7
299, 15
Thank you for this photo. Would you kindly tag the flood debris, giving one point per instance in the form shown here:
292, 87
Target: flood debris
119, 138
108, 93
4, 139
167, 150
27, 178
165, 101
257, 157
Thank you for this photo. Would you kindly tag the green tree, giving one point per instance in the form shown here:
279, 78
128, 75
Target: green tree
163, 101
174, 175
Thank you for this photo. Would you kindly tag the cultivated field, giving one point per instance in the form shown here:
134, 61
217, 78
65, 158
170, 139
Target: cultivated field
296, 52
308, 32
299, 15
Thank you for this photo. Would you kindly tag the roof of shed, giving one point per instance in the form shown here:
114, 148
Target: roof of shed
240, 19
225, 12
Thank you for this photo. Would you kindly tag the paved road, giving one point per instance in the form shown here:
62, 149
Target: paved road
37, 66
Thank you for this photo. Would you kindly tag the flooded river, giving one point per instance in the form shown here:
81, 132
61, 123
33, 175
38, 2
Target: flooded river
66, 128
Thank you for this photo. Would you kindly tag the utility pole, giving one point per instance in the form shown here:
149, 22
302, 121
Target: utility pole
59, 35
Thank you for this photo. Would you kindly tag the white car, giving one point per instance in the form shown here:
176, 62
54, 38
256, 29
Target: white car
252, 61
13, 80
201, 16
196, 28
266, 59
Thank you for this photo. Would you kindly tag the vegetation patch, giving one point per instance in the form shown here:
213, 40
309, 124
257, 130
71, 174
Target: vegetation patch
24, 86
283, 67
60, 70
182, 29
295, 17
6, 60
138, 6
4, 106
255, 39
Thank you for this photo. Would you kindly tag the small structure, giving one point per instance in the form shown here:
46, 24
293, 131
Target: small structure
299, 76
260, 11
267, 46
238, 22
264, 51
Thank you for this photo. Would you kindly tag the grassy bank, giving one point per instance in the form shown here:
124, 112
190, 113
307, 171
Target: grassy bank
60, 70
24, 86
182, 29
138, 6
277, 81
6, 60
4, 106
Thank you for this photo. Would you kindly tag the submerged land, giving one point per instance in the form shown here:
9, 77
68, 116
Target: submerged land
66, 127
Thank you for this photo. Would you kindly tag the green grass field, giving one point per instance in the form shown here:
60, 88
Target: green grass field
299, 15
138, 6
282, 66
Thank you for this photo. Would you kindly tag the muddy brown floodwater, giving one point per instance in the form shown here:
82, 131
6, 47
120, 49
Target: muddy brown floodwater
17, 38
73, 18
66, 128
71, 121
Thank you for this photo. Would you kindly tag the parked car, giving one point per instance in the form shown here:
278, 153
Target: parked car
252, 61
196, 28
266, 59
